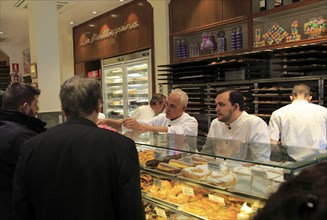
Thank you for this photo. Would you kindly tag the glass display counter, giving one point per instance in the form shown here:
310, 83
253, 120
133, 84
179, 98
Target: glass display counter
207, 177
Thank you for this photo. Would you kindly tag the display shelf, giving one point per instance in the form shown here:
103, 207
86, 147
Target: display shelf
284, 26
175, 191
211, 40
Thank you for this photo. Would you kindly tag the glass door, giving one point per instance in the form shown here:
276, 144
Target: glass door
138, 83
113, 86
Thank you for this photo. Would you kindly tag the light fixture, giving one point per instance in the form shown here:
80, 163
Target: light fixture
1, 32
94, 12
121, 0
71, 22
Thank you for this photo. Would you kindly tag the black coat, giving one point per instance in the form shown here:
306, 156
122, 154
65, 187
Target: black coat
78, 171
15, 128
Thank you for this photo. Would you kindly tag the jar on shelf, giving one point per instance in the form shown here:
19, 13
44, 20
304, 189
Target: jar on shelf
315, 27
221, 41
208, 44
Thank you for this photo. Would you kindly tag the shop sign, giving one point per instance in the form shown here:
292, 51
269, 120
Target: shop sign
90, 38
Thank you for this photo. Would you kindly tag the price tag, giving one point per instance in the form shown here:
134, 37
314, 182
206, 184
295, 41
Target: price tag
188, 191
160, 212
259, 179
158, 154
157, 182
214, 165
187, 159
218, 199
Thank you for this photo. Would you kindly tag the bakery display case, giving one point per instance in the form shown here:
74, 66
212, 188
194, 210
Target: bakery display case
126, 83
207, 178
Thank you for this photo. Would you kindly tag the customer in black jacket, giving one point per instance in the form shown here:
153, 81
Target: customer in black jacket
17, 124
76, 170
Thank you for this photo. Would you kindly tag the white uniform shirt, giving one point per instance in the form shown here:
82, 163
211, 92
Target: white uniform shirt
185, 124
143, 112
299, 124
246, 128
101, 116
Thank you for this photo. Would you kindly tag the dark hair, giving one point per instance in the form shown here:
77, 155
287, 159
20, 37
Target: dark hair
80, 96
301, 88
17, 94
235, 96
302, 197
157, 97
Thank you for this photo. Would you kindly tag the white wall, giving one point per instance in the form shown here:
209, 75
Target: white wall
15, 53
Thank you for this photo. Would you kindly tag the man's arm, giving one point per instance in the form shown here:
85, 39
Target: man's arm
274, 128
133, 124
22, 207
115, 123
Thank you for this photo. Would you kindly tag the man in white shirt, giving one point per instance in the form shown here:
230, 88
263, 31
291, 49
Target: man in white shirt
300, 125
241, 135
174, 121
156, 106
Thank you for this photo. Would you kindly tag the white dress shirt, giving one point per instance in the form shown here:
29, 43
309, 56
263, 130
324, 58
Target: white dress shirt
143, 112
249, 132
185, 124
300, 125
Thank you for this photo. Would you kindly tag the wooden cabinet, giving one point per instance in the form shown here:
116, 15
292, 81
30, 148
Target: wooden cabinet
270, 57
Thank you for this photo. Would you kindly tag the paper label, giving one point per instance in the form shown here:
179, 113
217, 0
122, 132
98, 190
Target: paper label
157, 182
187, 191
214, 166
159, 154
260, 179
160, 212
215, 198
187, 159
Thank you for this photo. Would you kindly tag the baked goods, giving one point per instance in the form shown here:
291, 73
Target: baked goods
223, 214
246, 213
145, 156
152, 163
181, 164
146, 181
180, 198
202, 159
197, 173
168, 168
203, 207
221, 179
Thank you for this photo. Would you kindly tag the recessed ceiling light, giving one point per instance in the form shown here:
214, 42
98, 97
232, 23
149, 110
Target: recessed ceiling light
121, 0
94, 12
71, 22
1, 32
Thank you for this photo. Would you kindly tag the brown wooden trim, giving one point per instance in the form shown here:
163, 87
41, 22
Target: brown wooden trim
285, 8
212, 25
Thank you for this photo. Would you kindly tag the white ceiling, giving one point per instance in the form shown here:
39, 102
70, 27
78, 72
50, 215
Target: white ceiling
14, 21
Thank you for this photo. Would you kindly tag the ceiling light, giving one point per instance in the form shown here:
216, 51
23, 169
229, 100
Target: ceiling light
94, 12
121, 0
1, 32
71, 22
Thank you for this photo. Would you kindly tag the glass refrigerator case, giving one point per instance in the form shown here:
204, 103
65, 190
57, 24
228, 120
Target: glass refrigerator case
126, 83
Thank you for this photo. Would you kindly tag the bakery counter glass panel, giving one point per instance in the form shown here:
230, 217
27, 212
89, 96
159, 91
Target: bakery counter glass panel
234, 166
